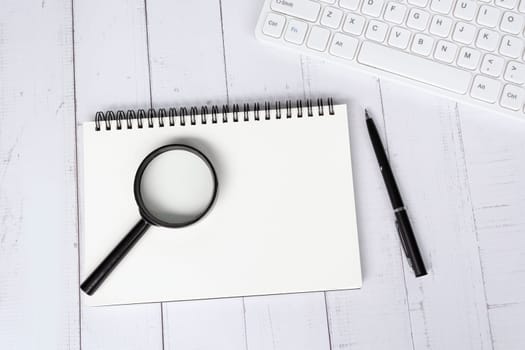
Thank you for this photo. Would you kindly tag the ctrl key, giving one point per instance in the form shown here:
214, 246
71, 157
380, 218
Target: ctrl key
274, 25
512, 97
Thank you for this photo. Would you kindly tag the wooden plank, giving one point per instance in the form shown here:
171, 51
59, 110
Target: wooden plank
355, 316
426, 149
507, 326
288, 321
494, 148
122, 327
38, 220
204, 324
111, 65
187, 68
111, 59
256, 72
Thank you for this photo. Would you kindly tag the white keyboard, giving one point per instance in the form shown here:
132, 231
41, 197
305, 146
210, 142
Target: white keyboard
470, 51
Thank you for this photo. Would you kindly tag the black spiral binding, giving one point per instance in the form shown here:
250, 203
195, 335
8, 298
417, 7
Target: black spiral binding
143, 118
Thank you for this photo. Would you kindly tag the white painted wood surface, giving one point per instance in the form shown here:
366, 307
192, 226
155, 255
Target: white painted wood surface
462, 172
38, 216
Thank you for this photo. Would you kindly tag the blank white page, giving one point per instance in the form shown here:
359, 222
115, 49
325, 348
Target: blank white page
283, 221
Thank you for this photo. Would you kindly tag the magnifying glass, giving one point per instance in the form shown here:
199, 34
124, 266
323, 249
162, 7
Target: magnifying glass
175, 186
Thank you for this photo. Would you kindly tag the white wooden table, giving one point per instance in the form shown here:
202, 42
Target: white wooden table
462, 172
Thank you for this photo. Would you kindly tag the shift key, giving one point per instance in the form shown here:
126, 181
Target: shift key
304, 9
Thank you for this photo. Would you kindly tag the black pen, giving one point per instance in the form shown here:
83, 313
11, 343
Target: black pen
406, 234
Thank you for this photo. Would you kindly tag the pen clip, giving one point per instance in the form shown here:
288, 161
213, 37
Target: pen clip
403, 243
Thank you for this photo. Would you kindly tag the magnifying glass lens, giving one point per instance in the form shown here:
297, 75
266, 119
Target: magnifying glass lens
177, 187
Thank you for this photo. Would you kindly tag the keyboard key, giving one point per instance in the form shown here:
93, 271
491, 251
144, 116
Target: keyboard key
318, 38
440, 26
376, 31
295, 32
354, 24
418, 19
399, 37
488, 16
511, 23
329, 1
422, 44
492, 65
468, 58
304, 9
331, 17
485, 89
349, 4
508, 4
274, 25
395, 12
521, 8
464, 33
372, 7
420, 3
413, 67
515, 72
445, 51
512, 97
511, 46
487, 39
344, 46
465, 9
442, 6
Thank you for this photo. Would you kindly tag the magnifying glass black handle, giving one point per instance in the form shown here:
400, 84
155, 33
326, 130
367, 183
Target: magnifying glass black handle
97, 277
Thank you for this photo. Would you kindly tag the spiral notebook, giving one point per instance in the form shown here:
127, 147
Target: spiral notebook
284, 218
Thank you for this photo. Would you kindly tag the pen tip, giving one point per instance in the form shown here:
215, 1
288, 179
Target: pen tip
366, 114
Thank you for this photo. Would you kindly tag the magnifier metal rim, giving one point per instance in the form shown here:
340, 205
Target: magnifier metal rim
144, 212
